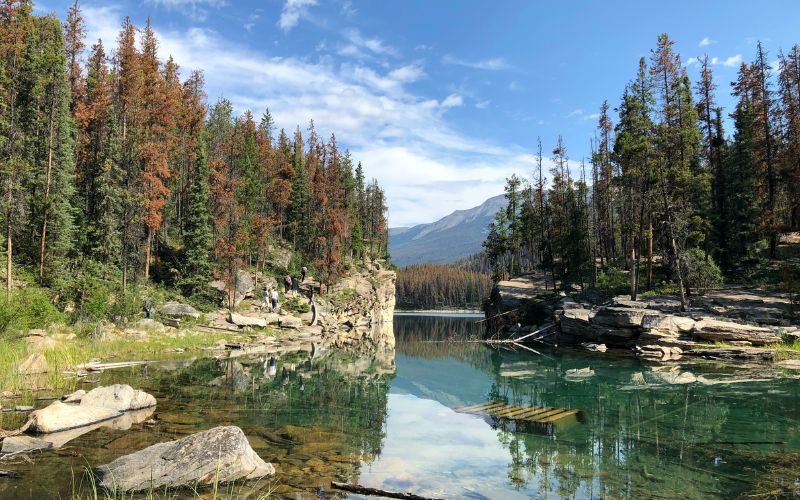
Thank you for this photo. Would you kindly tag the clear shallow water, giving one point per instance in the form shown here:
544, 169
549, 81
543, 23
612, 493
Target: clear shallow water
386, 420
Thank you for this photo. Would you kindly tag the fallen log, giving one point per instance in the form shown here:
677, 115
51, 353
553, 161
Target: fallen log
363, 490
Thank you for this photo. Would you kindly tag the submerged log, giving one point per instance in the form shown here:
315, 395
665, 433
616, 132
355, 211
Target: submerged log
363, 490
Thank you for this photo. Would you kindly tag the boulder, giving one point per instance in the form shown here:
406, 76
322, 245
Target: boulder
74, 397
118, 397
667, 324
290, 322
24, 444
576, 322
218, 455
149, 324
619, 317
244, 286
242, 320
60, 417
33, 364
178, 310
40, 343
714, 330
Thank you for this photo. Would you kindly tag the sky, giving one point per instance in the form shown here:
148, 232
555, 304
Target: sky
441, 100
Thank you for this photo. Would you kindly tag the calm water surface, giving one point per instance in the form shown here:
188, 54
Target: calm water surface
386, 419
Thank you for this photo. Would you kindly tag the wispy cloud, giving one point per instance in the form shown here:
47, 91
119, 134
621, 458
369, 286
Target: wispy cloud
292, 11
705, 42
730, 62
361, 46
483, 104
196, 10
495, 64
691, 62
452, 101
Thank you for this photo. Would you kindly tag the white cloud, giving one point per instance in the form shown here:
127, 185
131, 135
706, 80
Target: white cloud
705, 42
452, 101
292, 11
691, 61
361, 46
575, 112
495, 64
483, 104
407, 74
730, 62
196, 10
403, 139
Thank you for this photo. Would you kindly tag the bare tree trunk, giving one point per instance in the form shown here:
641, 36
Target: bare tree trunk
8, 259
46, 197
650, 256
633, 270
147, 254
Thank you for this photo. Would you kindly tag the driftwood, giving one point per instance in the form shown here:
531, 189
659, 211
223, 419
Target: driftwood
363, 490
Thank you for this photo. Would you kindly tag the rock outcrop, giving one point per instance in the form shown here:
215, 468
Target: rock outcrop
656, 328
220, 455
178, 310
118, 397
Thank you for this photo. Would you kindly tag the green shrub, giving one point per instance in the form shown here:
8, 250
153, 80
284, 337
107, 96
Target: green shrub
27, 308
700, 270
295, 304
613, 281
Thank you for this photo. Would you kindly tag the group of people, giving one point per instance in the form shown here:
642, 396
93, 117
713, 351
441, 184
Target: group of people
289, 283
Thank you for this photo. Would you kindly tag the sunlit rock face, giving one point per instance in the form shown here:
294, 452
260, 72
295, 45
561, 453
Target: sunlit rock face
359, 310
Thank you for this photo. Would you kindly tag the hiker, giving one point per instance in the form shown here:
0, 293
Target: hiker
274, 298
295, 284
303, 273
287, 283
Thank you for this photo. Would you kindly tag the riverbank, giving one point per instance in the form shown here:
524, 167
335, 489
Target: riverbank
726, 324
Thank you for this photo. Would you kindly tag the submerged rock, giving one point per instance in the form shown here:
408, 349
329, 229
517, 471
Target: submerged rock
24, 444
221, 454
119, 397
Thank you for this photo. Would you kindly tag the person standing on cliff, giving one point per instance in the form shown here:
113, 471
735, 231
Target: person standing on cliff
274, 299
287, 283
303, 273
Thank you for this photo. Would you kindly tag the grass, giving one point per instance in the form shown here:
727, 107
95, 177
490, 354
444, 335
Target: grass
66, 355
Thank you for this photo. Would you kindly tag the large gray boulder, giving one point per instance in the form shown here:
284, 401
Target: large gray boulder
118, 397
290, 322
178, 310
245, 285
242, 320
667, 324
220, 455
61, 416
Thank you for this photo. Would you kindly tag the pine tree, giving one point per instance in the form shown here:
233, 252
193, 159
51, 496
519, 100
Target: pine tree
789, 80
198, 238
74, 32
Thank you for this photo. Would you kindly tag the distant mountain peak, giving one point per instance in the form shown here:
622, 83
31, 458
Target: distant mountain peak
448, 239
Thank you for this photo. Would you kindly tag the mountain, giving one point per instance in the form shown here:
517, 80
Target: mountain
450, 238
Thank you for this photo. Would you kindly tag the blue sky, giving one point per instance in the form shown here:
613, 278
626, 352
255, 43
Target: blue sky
441, 100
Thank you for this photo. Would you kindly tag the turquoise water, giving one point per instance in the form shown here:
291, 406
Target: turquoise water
388, 420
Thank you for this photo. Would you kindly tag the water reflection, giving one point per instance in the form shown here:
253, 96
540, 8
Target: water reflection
650, 430
385, 417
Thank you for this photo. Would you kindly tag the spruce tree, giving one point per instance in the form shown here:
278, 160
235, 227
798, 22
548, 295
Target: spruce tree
198, 238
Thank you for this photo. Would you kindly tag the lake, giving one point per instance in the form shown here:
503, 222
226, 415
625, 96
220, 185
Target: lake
388, 420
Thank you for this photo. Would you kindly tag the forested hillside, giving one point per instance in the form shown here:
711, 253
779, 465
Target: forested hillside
668, 194
436, 286
115, 172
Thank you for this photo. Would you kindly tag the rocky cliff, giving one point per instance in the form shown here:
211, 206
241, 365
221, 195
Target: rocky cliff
358, 310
